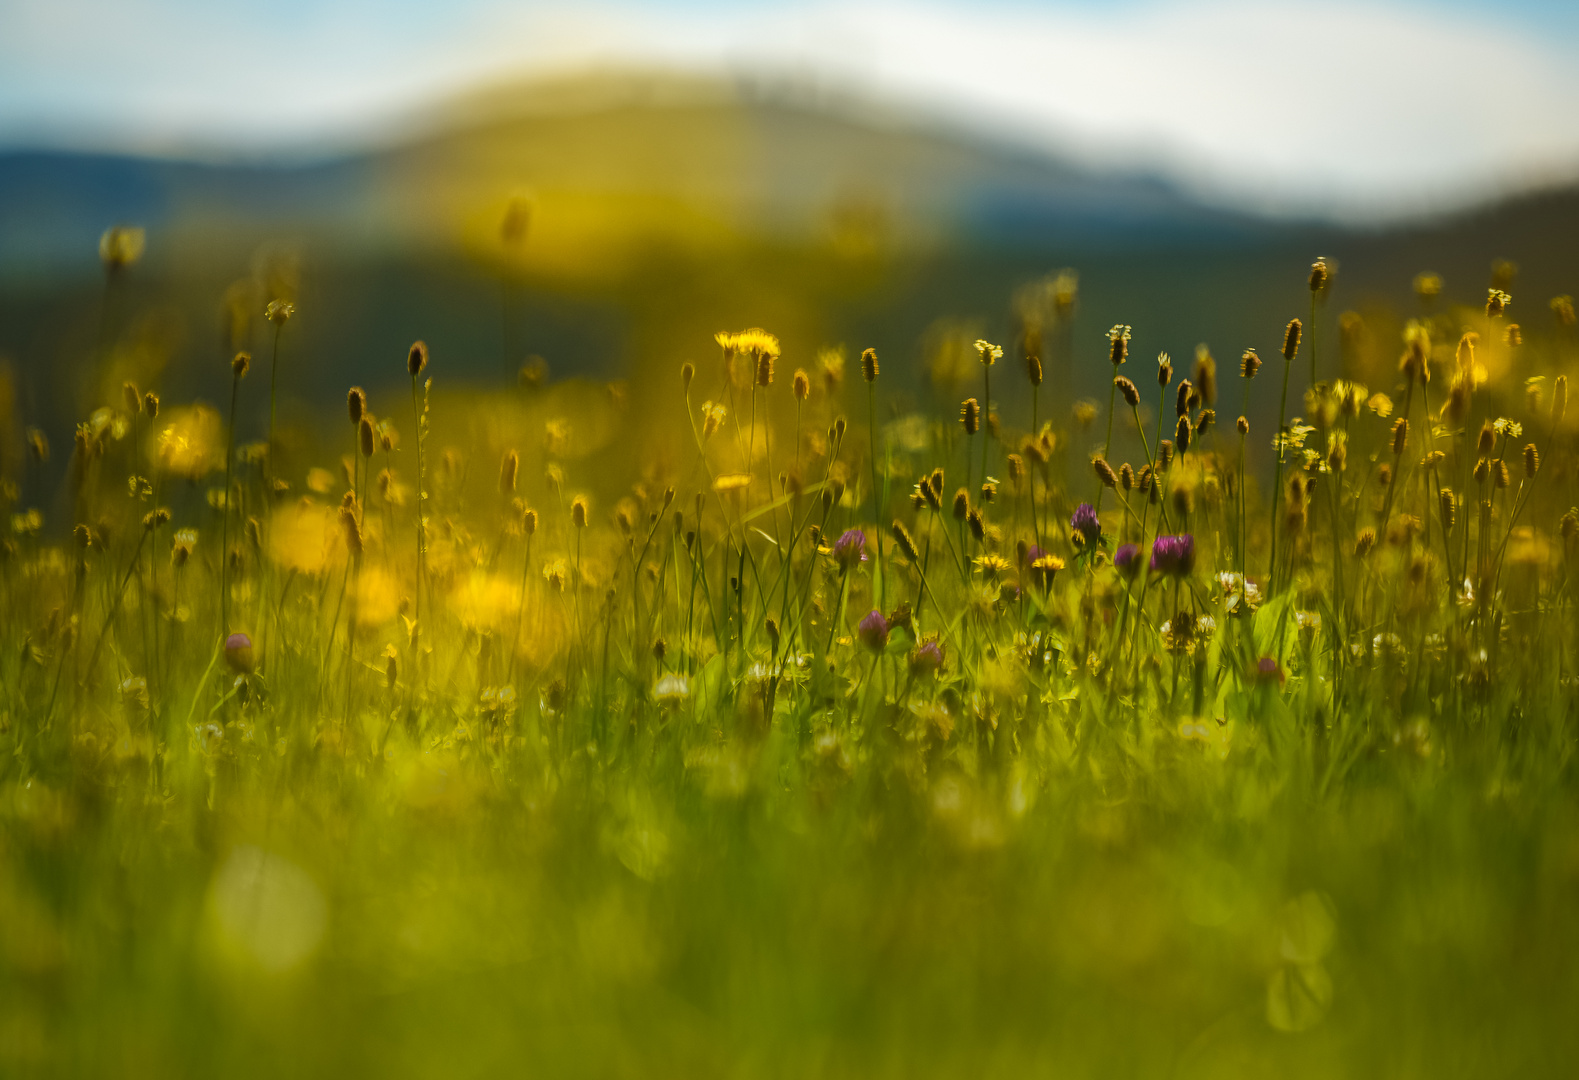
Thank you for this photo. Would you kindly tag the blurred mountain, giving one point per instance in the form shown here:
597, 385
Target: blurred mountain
664, 209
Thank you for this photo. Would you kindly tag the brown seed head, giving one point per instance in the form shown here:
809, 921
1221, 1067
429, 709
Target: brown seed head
1205, 375
1497, 303
801, 384
905, 542
134, 399
1033, 369
1482, 470
578, 512
417, 358
1118, 344
1291, 339
1364, 542
765, 368
1204, 422
151, 405
1532, 461
961, 504
1448, 508
978, 525
1320, 276
1249, 364
364, 434
869, 365
508, 467
1242, 425
352, 529
1104, 472
1400, 435
970, 416
1126, 477
1500, 475
1182, 435
1164, 453
1181, 403
239, 366
1563, 309
356, 404
1487, 439
1559, 399
1127, 391
1164, 370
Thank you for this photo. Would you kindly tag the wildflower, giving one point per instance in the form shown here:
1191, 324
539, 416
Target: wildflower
1044, 569
873, 631
728, 482
671, 690
238, 653
1508, 429
1364, 542
1085, 524
1381, 405
992, 564
988, 353
927, 659
1126, 560
121, 246
850, 549
1173, 555
1164, 370
1085, 412
279, 312
712, 419
151, 405
1497, 303
1249, 364
1182, 435
1267, 670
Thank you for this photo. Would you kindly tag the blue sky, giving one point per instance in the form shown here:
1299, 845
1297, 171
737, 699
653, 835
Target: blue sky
1360, 104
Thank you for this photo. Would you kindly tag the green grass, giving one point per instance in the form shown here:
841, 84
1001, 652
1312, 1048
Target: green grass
639, 798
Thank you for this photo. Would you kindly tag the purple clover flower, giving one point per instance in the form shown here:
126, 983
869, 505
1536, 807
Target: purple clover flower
850, 548
238, 653
873, 631
1174, 555
1126, 560
1085, 523
927, 660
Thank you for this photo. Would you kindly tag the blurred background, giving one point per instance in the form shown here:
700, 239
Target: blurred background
898, 175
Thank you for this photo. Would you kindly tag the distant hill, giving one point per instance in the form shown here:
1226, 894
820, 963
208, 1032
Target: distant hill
667, 208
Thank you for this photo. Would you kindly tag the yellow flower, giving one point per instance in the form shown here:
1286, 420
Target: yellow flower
190, 444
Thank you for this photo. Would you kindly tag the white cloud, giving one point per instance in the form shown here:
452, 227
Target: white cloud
1314, 105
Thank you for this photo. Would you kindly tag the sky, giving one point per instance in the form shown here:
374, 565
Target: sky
1342, 108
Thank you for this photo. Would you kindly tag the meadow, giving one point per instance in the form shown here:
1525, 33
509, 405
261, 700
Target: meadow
747, 724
